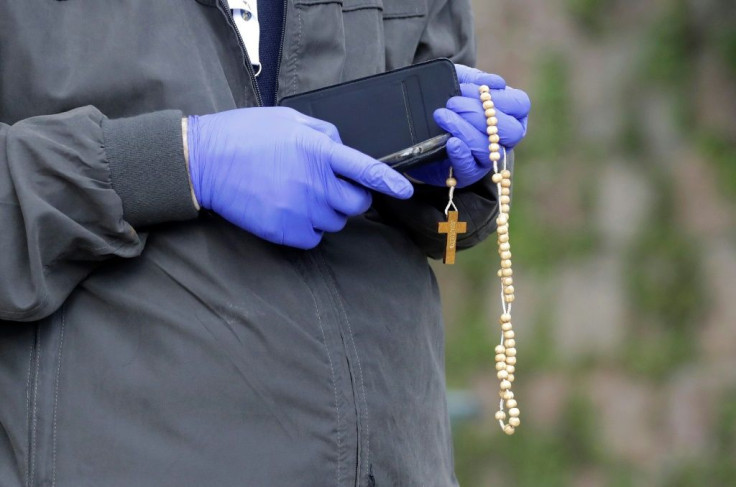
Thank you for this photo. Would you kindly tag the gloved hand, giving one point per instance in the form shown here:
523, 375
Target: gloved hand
276, 173
465, 119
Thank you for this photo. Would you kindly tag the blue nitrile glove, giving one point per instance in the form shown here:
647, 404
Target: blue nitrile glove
465, 119
276, 173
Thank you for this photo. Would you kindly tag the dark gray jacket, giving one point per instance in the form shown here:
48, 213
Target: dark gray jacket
144, 345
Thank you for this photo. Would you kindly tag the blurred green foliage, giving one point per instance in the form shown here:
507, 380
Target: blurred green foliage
665, 289
542, 460
663, 268
589, 14
719, 469
722, 155
671, 55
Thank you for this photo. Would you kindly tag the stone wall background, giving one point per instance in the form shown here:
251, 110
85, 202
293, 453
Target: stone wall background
624, 250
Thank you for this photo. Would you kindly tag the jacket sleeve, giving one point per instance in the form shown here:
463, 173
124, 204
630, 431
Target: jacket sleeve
73, 187
449, 33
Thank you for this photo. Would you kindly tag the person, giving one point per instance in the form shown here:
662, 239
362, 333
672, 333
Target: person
199, 289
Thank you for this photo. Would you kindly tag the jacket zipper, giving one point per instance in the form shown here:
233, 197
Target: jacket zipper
225, 10
281, 51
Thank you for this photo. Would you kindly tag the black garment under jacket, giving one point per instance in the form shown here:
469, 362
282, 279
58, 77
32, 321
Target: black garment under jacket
142, 344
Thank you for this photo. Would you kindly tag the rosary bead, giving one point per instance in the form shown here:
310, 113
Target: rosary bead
505, 352
499, 273
514, 412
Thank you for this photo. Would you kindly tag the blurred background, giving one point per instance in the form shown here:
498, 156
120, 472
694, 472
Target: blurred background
624, 245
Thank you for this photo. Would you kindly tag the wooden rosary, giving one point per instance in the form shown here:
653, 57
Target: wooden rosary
506, 350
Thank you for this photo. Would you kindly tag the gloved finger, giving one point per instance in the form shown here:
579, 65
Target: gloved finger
290, 115
325, 218
511, 101
466, 169
467, 74
524, 123
306, 238
453, 123
284, 228
321, 126
346, 197
368, 172
510, 130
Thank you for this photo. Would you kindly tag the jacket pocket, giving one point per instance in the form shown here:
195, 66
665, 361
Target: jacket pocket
404, 22
351, 5
364, 40
401, 9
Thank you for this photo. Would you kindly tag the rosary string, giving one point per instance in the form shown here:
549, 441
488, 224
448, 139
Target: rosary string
451, 183
506, 350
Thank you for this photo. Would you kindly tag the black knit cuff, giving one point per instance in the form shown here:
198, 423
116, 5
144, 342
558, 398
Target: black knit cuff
147, 167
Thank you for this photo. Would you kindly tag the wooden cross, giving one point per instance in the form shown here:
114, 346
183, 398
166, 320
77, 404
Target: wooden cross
451, 227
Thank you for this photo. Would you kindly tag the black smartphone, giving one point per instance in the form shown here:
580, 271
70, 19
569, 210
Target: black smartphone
388, 116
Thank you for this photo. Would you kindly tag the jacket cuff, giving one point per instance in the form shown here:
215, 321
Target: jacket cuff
147, 167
